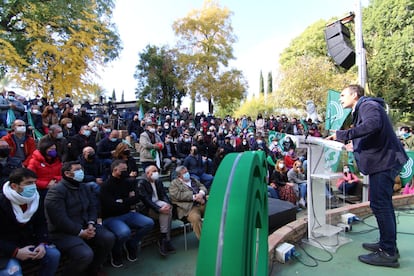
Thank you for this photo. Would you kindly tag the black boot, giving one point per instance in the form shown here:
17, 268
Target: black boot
162, 247
169, 247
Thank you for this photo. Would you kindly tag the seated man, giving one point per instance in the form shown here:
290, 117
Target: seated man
156, 200
118, 207
196, 165
71, 216
23, 234
7, 163
190, 197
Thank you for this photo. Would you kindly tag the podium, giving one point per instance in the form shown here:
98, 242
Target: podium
320, 232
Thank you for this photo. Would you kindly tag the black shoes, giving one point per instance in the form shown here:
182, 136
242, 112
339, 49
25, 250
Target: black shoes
374, 247
380, 258
165, 247
116, 261
131, 253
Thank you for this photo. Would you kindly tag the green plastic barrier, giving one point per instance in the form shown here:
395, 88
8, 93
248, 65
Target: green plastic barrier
235, 228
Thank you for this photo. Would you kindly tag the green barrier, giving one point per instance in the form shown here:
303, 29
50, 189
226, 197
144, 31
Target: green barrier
235, 228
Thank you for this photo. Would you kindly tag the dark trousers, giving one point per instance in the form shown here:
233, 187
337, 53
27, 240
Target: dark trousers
86, 255
381, 186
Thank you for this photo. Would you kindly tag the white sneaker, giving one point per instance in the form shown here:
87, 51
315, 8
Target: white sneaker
302, 203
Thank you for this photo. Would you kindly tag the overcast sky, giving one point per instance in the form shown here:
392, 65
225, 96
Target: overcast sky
263, 27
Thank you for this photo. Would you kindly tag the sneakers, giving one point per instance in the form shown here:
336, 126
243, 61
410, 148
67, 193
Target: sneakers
116, 260
302, 203
169, 247
374, 247
131, 253
380, 258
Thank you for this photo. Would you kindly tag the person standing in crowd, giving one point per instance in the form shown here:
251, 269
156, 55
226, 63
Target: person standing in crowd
380, 155
71, 218
159, 206
150, 146
21, 145
135, 129
23, 234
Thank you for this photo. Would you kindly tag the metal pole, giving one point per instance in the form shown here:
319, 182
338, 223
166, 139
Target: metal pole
359, 46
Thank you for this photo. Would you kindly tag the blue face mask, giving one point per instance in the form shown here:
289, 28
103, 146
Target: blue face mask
78, 175
113, 139
29, 190
186, 176
87, 133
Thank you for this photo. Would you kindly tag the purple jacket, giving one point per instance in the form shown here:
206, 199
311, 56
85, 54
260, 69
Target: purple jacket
376, 146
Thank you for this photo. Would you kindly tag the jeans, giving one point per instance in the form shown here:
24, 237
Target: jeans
272, 192
12, 268
121, 227
50, 261
381, 186
205, 178
301, 189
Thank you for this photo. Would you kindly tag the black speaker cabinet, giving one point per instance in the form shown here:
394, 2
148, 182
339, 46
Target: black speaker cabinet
339, 45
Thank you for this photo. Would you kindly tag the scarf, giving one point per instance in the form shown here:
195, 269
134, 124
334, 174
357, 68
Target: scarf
17, 200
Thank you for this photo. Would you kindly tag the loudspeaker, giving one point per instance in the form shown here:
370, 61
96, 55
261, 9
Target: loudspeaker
339, 45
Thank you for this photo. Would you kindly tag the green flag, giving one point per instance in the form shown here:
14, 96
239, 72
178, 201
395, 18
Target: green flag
140, 113
272, 134
407, 171
335, 114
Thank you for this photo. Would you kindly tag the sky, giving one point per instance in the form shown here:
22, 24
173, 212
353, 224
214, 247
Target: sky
263, 28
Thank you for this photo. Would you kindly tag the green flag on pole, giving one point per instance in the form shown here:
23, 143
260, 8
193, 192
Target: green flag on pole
140, 113
335, 114
407, 171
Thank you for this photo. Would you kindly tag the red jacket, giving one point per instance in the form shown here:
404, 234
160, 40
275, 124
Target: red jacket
29, 146
44, 171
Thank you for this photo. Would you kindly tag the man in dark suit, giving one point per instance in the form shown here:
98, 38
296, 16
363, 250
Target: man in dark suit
71, 215
380, 155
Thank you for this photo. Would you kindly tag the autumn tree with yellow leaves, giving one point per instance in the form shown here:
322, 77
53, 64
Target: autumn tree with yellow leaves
53, 47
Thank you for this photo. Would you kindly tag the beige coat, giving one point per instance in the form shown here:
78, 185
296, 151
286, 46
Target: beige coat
182, 196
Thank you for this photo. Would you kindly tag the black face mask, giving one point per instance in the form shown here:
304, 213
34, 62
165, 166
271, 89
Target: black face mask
4, 152
124, 174
127, 152
91, 156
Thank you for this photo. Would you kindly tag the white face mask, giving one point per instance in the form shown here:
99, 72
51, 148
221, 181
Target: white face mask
59, 135
69, 125
281, 166
155, 176
20, 129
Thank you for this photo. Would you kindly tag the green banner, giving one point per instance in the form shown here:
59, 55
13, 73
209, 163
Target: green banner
272, 134
335, 114
406, 173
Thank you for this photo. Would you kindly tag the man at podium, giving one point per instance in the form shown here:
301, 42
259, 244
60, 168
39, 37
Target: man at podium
380, 155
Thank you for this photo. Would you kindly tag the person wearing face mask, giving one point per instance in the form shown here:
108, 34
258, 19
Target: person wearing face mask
36, 116
106, 148
150, 146
279, 185
23, 234
158, 205
114, 119
47, 165
184, 146
49, 117
118, 206
55, 136
79, 141
348, 182
72, 223
189, 195
7, 164
196, 165
297, 175
122, 152
67, 127
134, 128
15, 105
21, 144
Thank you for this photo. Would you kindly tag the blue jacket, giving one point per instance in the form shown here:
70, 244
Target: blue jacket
376, 146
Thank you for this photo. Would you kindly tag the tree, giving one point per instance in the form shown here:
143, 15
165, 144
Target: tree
113, 95
205, 45
261, 85
389, 37
56, 45
309, 78
269, 83
158, 77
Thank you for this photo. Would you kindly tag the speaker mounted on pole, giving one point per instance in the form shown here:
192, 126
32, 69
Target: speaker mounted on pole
339, 44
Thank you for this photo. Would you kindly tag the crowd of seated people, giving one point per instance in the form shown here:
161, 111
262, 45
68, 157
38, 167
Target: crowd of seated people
89, 184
